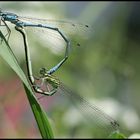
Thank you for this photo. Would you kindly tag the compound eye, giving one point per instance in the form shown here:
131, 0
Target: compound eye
42, 71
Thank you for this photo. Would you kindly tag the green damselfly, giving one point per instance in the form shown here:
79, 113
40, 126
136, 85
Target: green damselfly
50, 85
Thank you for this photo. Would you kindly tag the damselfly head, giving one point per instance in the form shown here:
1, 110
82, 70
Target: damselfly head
43, 71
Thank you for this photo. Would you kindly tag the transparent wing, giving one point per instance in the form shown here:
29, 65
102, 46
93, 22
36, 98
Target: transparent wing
76, 33
70, 27
92, 114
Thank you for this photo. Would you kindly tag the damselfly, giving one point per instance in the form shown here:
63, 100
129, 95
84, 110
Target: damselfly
49, 27
50, 85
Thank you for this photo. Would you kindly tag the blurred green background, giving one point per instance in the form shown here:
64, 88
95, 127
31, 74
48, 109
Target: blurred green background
104, 69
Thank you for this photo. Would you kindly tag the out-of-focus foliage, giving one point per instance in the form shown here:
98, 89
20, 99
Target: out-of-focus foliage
39, 114
117, 135
104, 69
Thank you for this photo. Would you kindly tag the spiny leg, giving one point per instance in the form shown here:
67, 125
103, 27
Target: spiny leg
8, 30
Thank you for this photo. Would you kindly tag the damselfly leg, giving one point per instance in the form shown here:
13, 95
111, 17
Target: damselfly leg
7, 28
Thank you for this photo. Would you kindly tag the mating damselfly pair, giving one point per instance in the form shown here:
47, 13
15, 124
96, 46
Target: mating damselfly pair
46, 83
